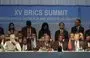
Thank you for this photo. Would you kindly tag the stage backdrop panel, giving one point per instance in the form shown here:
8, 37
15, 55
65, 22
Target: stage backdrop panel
52, 14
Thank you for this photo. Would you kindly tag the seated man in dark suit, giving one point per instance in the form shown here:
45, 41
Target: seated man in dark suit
60, 44
87, 38
87, 42
61, 31
77, 28
87, 33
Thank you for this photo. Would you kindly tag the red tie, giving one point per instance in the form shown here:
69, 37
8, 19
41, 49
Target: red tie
69, 45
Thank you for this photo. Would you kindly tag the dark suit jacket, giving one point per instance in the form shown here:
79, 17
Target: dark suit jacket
24, 31
28, 46
86, 45
42, 44
1, 31
87, 33
83, 44
56, 45
57, 33
75, 30
41, 33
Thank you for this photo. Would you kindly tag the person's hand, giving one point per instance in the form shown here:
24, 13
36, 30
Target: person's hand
13, 41
49, 49
88, 38
51, 40
41, 39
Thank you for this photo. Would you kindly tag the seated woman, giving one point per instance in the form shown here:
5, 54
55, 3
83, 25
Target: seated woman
46, 43
11, 44
44, 29
11, 29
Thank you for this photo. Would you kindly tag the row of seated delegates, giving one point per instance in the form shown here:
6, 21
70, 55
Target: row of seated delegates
24, 40
28, 32
10, 41
17, 43
76, 43
45, 29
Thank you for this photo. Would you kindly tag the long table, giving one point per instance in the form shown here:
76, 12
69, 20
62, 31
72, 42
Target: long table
32, 54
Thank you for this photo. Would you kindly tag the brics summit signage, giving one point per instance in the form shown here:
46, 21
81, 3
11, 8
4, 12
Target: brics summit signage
38, 11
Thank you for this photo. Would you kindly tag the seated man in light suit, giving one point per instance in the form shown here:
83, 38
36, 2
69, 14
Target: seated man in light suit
12, 44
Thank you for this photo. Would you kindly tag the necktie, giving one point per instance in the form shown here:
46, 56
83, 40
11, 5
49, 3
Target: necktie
69, 45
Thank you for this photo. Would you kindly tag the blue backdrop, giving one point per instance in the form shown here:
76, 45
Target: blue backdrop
53, 14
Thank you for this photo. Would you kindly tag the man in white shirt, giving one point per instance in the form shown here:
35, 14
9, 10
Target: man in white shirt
12, 44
